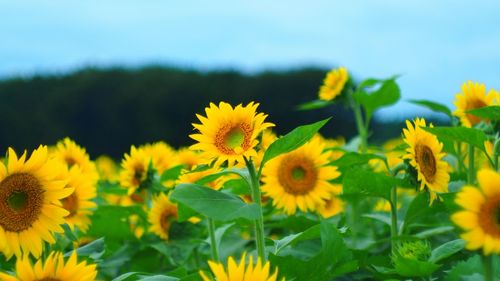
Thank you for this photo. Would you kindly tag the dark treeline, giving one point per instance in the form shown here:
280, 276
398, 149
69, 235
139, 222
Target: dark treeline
107, 110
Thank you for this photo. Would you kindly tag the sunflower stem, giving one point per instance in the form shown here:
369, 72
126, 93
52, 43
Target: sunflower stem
459, 157
360, 124
470, 178
259, 222
394, 217
213, 242
488, 267
496, 152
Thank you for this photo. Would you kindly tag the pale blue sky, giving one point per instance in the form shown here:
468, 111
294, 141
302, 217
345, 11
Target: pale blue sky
435, 45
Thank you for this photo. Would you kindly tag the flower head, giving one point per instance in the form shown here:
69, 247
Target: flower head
333, 84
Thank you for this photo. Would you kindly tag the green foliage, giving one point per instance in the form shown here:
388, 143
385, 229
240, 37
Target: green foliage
213, 204
293, 140
388, 93
434, 106
471, 136
360, 181
487, 112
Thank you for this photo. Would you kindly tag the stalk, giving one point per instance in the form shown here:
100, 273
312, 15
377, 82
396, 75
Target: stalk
488, 267
394, 217
213, 243
362, 130
259, 222
471, 178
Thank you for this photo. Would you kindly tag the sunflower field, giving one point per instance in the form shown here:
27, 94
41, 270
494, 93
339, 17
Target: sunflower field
243, 204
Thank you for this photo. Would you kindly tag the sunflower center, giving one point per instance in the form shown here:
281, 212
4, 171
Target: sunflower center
70, 203
489, 216
70, 161
297, 175
232, 137
21, 201
426, 160
138, 173
473, 104
168, 215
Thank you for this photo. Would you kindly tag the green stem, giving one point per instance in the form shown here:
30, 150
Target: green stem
259, 222
488, 267
213, 243
459, 158
470, 178
394, 217
496, 152
362, 129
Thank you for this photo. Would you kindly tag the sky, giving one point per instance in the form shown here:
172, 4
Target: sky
435, 46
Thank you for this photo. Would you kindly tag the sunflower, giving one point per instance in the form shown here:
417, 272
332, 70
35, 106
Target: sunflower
481, 215
107, 168
241, 272
267, 138
333, 84
53, 269
425, 155
79, 203
68, 152
229, 134
161, 215
473, 96
333, 205
162, 155
299, 179
187, 157
30, 206
135, 169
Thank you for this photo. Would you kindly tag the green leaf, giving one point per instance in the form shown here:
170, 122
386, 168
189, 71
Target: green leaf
159, 278
93, 250
219, 233
487, 112
359, 181
214, 204
385, 218
351, 159
293, 140
315, 104
471, 136
419, 209
387, 94
112, 221
414, 268
310, 233
446, 250
184, 212
434, 106
172, 173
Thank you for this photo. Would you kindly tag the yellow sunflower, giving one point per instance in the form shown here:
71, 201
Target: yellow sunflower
30, 206
333, 205
425, 155
229, 134
53, 269
161, 215
241, 272
79, 203
68, 152
107, 168
333, 84
481, 215
162, 155
135, 169
473, 96
299, 179
187, 157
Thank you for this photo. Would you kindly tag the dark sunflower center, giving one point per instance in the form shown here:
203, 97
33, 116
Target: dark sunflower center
21, 201
297, 174
70, 203
426, 161
489, 216
231, 137
70, 161
473, 104
138, 174
167, 217
17, 200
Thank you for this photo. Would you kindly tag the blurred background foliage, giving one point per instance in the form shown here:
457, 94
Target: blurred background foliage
107, 110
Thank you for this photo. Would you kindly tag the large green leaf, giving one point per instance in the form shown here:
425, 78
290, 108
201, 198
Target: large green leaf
487, 112
359, 181
387, 94
446, 250
214, 204
352, 159
414, 268
313, 232
112, 221
293, 140
471, 136
434, 106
